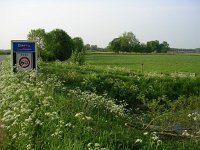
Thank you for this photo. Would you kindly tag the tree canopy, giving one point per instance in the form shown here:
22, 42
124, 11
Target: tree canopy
128, 42
60, 44
54, 45
38, 35
78, 55
78, 44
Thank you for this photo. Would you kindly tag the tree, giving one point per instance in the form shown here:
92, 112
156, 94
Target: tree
87, 47
78, 44
78, 55
93, 47
38, 35
153, 46
127, 42
115, 45
141, 48
58, 45
164, 47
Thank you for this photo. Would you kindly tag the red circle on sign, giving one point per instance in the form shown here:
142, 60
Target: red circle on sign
24, 62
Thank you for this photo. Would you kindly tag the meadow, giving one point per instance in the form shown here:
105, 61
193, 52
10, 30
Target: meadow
106, 104
160, 63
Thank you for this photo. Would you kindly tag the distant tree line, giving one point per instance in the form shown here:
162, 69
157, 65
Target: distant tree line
95, 48
128, 42
5, 52
58, 45
184, 50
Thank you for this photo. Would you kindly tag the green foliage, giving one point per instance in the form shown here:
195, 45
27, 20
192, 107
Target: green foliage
147, 95
78, 44
115, 45
43, 114
127, 42
78, 55
5, 52
155, 46
49, 112
122, 84
55, 45
39, 36
60, 44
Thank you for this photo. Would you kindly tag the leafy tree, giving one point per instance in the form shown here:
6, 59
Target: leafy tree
58, 45
115, 45
87, 47
164, 46
78, 44
78, 56
141, 48
153, 46
93, 47
38, 35
127, 42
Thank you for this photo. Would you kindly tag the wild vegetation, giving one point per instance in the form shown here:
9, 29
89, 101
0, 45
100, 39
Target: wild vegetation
67, 106
128, 42
57, 45
4, 52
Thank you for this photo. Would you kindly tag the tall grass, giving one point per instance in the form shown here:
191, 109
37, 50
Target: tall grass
55, 112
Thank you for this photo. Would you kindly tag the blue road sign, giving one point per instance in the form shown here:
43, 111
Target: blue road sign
23, 46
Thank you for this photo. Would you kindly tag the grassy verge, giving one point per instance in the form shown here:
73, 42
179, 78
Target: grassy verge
58, 112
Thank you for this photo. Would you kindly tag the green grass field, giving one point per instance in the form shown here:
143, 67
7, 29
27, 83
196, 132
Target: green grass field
151, 63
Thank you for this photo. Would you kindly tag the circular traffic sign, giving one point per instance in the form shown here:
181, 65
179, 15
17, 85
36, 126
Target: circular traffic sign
24, 62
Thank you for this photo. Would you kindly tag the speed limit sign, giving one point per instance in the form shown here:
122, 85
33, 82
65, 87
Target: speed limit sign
24, 62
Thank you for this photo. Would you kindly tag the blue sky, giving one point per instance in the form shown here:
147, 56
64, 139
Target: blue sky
99, 21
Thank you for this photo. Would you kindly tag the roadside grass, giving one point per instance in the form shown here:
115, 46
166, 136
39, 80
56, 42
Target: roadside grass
57, 110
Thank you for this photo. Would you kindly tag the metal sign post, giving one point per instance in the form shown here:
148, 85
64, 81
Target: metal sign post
24, 55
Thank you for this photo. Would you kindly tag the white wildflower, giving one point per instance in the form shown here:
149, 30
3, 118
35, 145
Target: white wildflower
69, 124
185, 133
138, 141
159, 142
145, 133
88, 118
79, 114
97, 145
90, 144
14, 136
38, 122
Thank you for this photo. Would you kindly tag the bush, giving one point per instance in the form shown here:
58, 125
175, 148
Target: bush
58, 46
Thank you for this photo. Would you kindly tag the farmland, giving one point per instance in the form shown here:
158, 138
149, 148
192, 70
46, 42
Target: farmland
151, 63
107, 104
